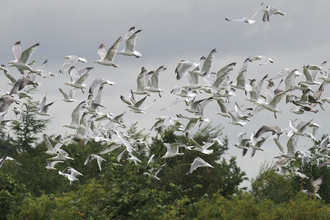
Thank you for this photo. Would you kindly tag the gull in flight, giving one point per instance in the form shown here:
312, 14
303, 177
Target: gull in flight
97, 157
75, 116
136, 107
22, 59
247, 19
43, 107
269, 11
130, 39
78, 82
198, 162
173, 149
68, 97
108, 57
152, 85
50, 165
71, 60
315, 187
141, 83
183, 67
2, 160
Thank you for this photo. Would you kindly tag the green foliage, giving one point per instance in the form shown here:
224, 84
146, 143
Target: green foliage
25, 132
226, 175
271, 186
11, 195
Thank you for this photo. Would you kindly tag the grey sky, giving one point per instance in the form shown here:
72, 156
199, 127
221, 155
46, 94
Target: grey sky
171, 31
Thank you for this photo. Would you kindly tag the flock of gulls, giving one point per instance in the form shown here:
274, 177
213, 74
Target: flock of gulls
262, 94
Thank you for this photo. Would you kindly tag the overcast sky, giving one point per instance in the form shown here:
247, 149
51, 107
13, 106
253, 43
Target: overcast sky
171, 31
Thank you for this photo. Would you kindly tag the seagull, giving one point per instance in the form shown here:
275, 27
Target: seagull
50, 165
6, 102
204, 148
130, 39
75, 116
99, 82
223, 110
2, 160
153, 172
235, 121
43, 107
69, 176
247, 19
97, 157
315, 187
192, 122
263, 60
242, 143
152, 85
61, 155
136, 107
50, 149
68, 97
173, 149
9, 76
269, 11
206, 64
183, 67
79, 82
141, 83
272, 105
198, 162
263, 129
71, 60
22, 59
197, 107
108, 57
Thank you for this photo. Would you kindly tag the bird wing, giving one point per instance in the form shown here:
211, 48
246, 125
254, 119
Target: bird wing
130, 42
113, 50
27, 53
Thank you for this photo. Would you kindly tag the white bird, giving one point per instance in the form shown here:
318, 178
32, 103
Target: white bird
6, 101
75, 116
130, 40
242, 143
68, 97
272, 105
61, 155
99, 82
204, 148
207, 64
50, 165
269, 11
173, 149
234, 120
50, 149
315, 187
44, 107
97, 157
183, 67
2, 160
9, 76
79, 82
22, 59
70, 177
263, 60
108, 57
136, 107
141, 83
153, 172
71, 60
153, 83
198, 162
247, 19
